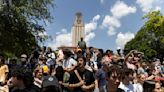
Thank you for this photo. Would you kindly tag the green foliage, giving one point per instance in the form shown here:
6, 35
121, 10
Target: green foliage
150, 38
19, 25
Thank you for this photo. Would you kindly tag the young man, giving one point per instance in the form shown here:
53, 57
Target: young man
126, 78
22, 81
81, 79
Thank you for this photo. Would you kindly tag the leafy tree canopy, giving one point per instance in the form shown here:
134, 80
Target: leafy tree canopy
19, 25
150, 38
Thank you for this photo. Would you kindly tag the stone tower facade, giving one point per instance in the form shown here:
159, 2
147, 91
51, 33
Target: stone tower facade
78, 29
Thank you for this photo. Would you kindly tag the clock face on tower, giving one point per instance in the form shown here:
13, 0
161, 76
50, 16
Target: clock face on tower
78, 17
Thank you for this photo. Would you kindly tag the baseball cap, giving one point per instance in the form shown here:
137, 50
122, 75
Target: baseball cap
50, 81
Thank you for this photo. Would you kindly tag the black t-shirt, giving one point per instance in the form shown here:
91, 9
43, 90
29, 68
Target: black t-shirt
32, 88
87, 76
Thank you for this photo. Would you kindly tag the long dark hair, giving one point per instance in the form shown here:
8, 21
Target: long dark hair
59, 73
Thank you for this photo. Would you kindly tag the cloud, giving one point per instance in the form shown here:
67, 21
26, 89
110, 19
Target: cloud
62, 39
90, 27
121, 9
123, 38
88, 37
118, 10
101, 1
111, 31
147, 5
111, 21
57, 33
64, 30
96, 18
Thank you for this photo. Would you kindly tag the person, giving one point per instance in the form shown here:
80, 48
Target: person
59, 58
157, 87
40, 71
82, 45
22, 81
68, 63
81, 79
50, 57
101, 78
140, 81
129, 61
112, 77
4, 70
126, 78
50, 84
33, 58
94, 53
12, 66
3, 75
109, 53
120, 56
90, 65
24, 61
78, 53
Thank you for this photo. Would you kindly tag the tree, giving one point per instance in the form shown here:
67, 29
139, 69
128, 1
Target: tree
150, 38
20, 25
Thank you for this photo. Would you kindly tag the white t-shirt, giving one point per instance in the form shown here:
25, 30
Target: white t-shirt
51, 58
138, 87
127, 88
89, 67
69, 63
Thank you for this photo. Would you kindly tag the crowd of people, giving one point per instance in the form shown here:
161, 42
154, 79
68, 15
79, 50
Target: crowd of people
81, 70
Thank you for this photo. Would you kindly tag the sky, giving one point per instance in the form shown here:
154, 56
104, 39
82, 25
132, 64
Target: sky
109, 24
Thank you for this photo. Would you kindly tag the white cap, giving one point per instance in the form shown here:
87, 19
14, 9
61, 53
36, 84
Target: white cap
24, 56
